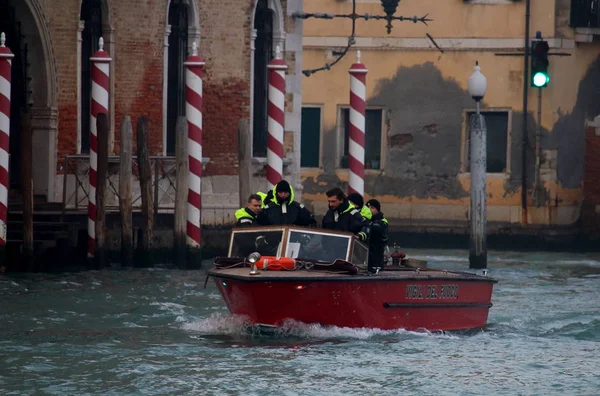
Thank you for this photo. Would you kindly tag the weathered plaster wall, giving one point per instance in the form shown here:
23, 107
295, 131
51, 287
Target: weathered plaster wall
425, 97
453, 18
568, 132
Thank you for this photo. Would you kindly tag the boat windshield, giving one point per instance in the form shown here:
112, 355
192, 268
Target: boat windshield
265, 241
317, 245
297, 242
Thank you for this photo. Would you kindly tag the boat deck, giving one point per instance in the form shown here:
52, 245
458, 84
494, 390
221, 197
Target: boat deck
399, 273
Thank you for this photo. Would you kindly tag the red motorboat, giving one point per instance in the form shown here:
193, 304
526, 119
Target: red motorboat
313, 275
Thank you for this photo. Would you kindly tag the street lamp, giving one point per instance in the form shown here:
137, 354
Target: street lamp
389, 7
477, 86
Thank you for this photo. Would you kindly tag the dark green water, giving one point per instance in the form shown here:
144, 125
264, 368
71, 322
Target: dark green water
158, 332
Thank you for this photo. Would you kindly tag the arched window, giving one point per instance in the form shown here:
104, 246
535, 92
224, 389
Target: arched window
178, 43
91, 15
263, 53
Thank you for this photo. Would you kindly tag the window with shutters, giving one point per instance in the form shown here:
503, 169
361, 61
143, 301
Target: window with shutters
497, 123
310, 139
373, 137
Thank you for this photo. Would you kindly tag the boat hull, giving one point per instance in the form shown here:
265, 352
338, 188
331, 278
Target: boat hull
411, 301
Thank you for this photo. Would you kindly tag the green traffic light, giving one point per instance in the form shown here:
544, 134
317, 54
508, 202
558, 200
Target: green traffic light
540, 79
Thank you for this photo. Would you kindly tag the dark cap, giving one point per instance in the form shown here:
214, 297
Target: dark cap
283, 186
356, 199
374, 203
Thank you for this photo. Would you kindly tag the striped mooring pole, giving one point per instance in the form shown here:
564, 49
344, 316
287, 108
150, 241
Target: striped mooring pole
100, 86
356, 142
5, 85
194, 66
276, 119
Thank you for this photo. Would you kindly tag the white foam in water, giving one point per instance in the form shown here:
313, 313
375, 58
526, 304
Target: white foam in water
299, 329
239, 325
168, 306
174, 308
219, 324
132, 325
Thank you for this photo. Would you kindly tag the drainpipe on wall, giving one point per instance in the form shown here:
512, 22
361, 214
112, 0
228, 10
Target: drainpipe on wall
524, 142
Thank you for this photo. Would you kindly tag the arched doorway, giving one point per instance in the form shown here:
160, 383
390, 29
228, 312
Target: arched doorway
33, 89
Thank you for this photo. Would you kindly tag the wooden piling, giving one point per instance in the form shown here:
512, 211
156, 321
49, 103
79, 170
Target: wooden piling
156, 186
102, 130
245, 158
27, 188
181, 158
478, 209
145, 175
125, 193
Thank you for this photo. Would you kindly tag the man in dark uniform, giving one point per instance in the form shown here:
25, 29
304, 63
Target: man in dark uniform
283, 210
343, 216
247, 216
244, 243
379, 236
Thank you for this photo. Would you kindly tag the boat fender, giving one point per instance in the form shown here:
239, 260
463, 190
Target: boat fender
272, 263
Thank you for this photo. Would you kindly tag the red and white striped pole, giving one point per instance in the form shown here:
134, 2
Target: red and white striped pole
193, 112
100, 73
5, 73
356, 143
276, 114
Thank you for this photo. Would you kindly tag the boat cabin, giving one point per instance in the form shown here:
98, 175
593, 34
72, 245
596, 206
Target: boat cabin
298, 243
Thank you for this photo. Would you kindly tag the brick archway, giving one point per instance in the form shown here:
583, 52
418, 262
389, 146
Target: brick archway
39, 87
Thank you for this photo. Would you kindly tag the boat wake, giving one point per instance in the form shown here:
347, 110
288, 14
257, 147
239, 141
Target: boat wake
222, 324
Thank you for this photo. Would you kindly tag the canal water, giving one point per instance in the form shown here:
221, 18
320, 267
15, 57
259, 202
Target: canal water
159, 332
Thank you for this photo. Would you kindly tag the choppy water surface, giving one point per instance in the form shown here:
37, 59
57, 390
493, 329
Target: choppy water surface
160, 332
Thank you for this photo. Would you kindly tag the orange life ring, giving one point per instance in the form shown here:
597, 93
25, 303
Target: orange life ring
273, 263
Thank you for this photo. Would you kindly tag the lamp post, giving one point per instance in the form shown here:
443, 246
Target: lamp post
389, 7
477, 85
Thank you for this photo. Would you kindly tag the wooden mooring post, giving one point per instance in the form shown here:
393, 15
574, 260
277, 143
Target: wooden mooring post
145, 175
180, 220
125, 192
27, 189
245, 158
100, 251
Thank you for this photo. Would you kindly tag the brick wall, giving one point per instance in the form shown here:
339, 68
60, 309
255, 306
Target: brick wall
139, 27
225, 46
137, 47
63, 23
